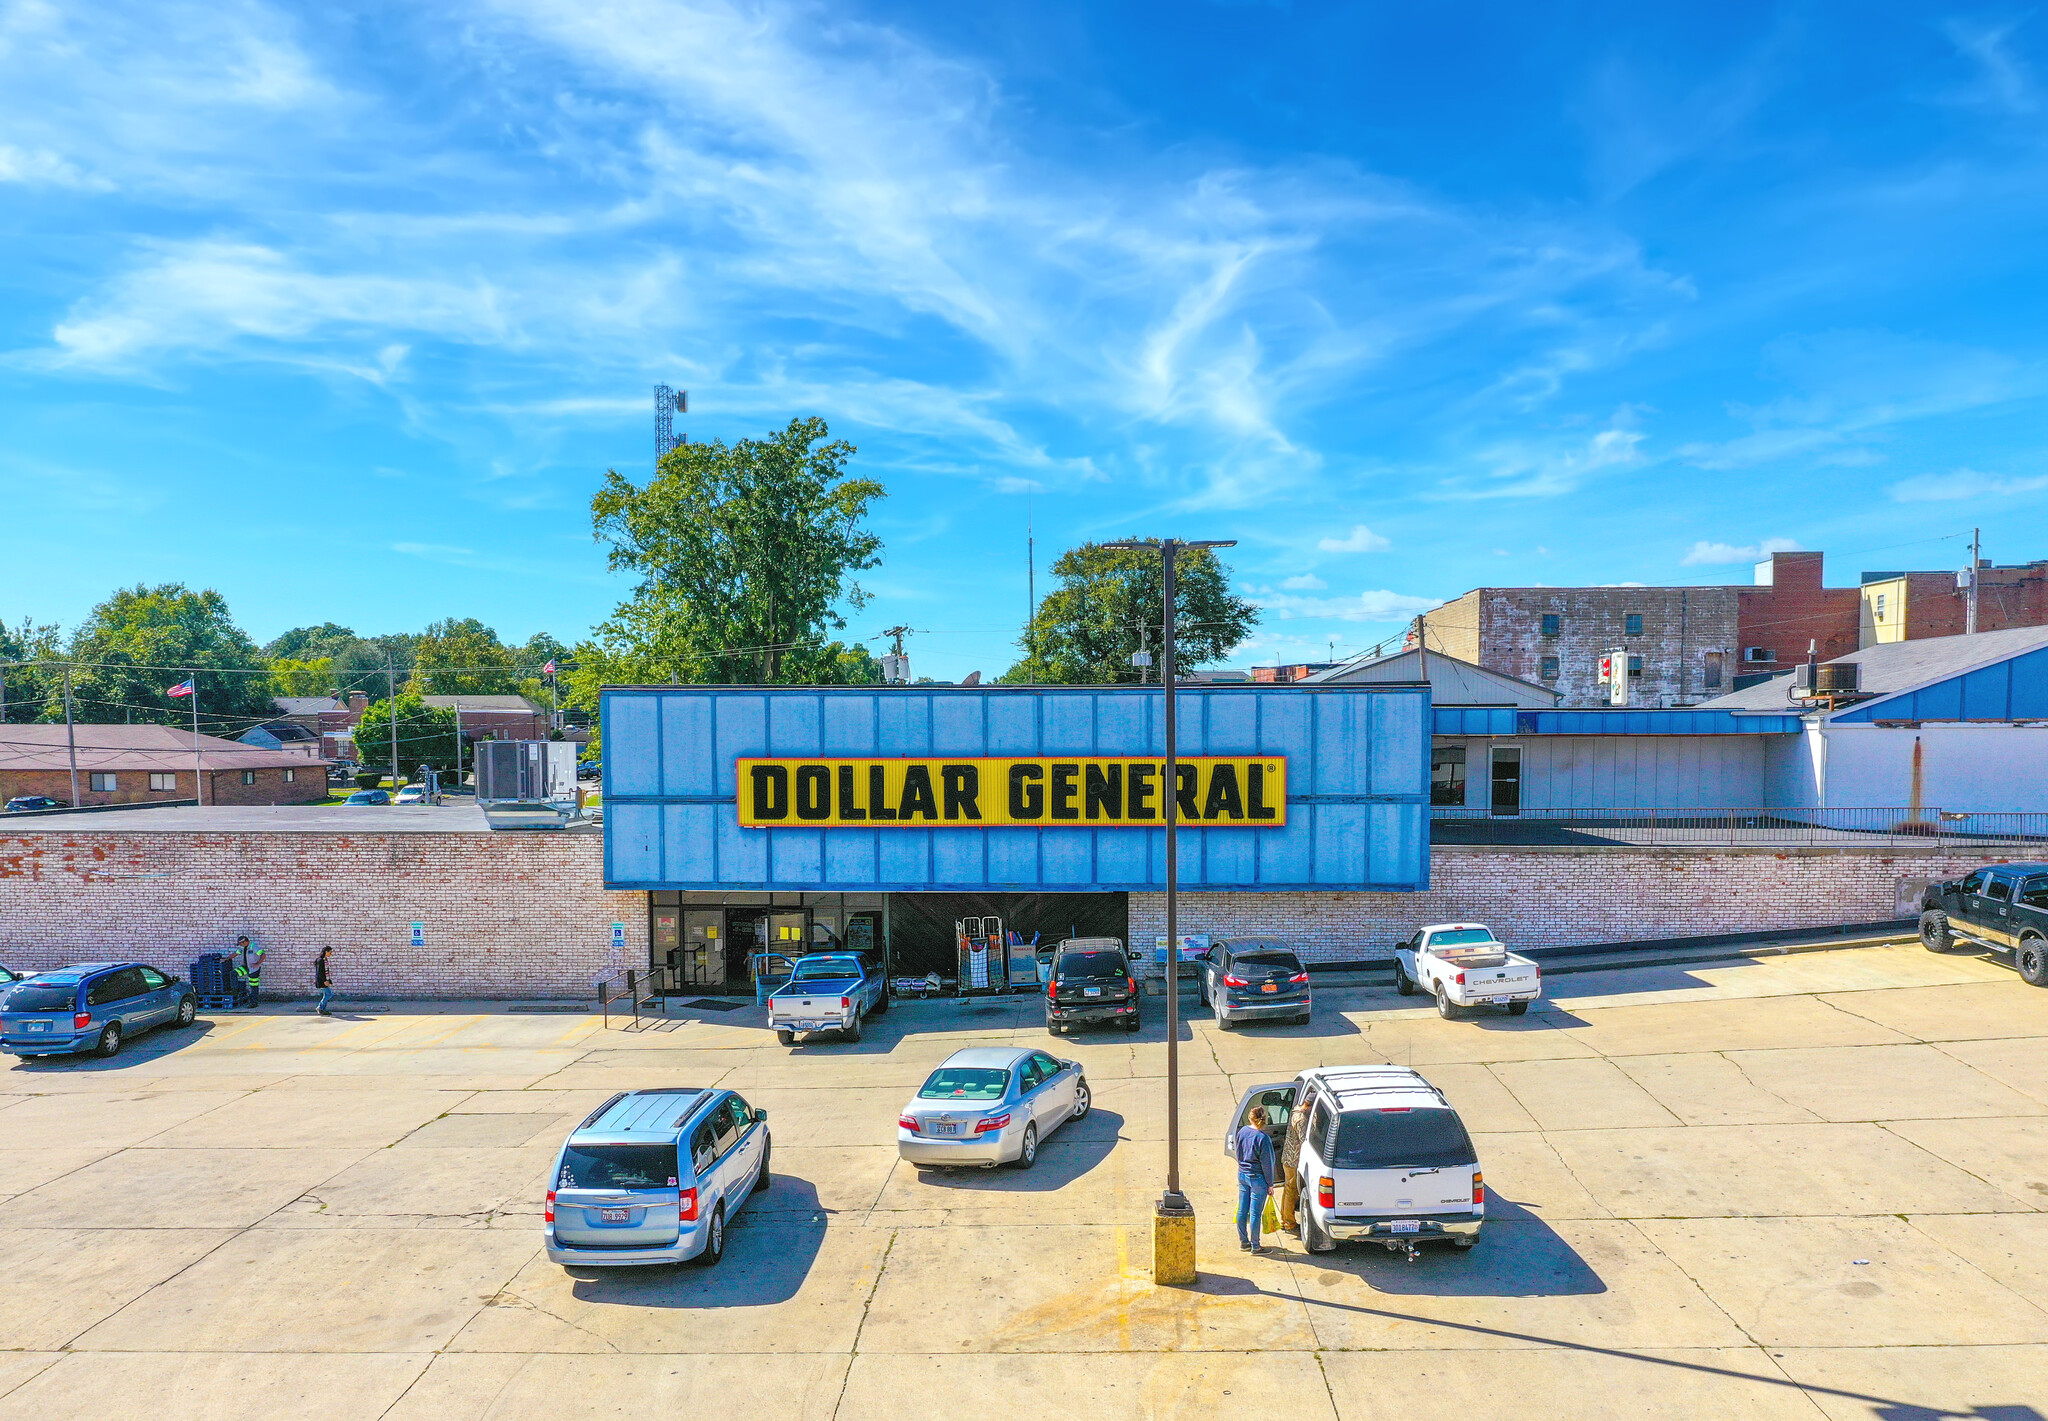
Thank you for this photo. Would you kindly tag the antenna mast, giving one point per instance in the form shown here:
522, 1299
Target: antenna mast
668, 403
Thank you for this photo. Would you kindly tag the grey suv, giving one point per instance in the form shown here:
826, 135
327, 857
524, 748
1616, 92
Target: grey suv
1254, 979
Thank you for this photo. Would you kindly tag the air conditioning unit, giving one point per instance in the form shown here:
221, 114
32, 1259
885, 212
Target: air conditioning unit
1755, 654
1839, 679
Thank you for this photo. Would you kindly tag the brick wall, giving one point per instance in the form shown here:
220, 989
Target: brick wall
308, 786
507, 915
1795, 609
1568, 897
1501, 628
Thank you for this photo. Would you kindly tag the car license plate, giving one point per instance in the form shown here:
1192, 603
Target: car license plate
1500, 1001
1404, 1226
35, 1026
946, 1128
1091, 991
612, 1216
1269, 987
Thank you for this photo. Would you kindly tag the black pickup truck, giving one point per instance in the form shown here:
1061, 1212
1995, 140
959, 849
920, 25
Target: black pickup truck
2004, 908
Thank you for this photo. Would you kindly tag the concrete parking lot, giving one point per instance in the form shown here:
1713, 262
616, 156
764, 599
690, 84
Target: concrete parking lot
1810, 1186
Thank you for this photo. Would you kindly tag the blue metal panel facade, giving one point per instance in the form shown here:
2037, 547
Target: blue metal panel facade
2014, 689
1357, 774
1498, 720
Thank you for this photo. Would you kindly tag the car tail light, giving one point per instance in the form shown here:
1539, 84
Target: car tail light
686, 1204
845, 1002
1326, 1192
548, 1214
1231, 979
81, 1020
1478, 1189
1052, 989
992, 1122
1131, 985
1298, 978
904, 1122
1461, 979
1395, 1109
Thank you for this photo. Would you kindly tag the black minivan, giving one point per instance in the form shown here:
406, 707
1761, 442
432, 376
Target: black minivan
1091, 982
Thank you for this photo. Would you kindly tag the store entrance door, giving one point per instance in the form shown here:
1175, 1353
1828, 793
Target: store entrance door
704, 948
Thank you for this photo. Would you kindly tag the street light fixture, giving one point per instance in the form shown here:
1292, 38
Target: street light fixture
1173, 1218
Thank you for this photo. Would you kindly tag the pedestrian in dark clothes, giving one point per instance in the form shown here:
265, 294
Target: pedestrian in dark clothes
1257, 1172
323, 978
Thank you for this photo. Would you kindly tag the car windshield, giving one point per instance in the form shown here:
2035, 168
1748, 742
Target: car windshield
1379, 1139
810, 967
1462, 937
617, 1167
1093, 964
43, 996
966, 1083
1267, 961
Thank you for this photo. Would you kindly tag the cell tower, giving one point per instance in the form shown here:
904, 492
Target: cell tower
668, 403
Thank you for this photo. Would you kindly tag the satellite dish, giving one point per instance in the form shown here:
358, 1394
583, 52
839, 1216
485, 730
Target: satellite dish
973, 678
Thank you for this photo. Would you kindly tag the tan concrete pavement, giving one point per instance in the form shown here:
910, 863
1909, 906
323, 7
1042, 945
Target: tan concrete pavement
1814, 1186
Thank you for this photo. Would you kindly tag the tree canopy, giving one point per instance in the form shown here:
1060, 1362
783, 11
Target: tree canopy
29, 693
426, 735
745, 553
461, 658
142, 640
1108, 605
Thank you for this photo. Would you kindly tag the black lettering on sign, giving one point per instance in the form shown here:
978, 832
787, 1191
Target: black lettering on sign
1063, 791
1142, 792
1103, 792
849, 806
771, 792
813, 792
1255, 792
1027, 792
1185, 776
1223, 796
917, 794
963, 786
878, 795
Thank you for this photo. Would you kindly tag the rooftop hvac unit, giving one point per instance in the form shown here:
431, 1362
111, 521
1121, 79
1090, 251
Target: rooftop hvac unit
525, 771
1754, 654
1834, 679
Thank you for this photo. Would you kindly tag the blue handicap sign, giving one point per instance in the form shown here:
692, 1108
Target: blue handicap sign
419, 934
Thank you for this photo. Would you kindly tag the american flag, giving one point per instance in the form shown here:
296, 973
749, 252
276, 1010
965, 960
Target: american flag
548, 670
183, 688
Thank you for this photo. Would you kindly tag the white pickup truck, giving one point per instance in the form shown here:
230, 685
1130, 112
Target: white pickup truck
1463, 965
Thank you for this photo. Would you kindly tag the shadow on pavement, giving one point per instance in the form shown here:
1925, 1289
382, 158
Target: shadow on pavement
1061, 1160
136, 1051
768, 1254
1516, 1257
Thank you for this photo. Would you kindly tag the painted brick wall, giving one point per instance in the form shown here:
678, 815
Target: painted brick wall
507, 915
1568, 897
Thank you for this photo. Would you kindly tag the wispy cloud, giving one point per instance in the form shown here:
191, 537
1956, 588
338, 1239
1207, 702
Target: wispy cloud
1373, 606
1962, 484
1719, 554
1360, 539
1305, 582
2004, 79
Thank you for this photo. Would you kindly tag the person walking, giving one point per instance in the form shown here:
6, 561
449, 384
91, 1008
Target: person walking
1256, 1172
249, 971
323, 978
1290, 1168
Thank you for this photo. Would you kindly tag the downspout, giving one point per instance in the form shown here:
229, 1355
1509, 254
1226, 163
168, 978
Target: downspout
1915, 805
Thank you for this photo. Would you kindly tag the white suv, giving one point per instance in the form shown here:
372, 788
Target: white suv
1385, 1160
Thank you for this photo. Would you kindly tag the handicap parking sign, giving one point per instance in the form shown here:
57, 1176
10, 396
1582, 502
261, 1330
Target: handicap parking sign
419, 934
619, 937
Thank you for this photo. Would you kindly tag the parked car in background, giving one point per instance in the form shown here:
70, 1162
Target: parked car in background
654, 1176
1091, 983
27, 803
2004, 908
411, 794
8, 979
1385, 1159
990, 1105
1254, 979
1463, 966
590, 770
94, 1006
341, 773
369, 796
827, 991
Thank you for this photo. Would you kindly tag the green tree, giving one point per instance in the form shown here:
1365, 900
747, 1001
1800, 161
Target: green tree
426, 735
359, 664
290, 677
30, 692
1107, 606
461, 658
143, 640
310, 643
744, 554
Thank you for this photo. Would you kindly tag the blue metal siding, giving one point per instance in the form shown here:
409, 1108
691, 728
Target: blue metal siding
2013, 689
1496, 720
1358, 776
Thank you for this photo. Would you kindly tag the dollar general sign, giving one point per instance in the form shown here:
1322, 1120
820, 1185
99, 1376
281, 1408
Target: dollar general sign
1040, 792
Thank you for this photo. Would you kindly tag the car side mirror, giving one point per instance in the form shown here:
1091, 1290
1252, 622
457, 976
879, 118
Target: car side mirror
760, 1114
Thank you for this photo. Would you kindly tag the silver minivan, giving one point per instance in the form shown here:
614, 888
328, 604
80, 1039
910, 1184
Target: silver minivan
654, 1176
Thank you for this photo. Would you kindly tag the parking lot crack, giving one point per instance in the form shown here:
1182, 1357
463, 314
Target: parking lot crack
853, 1352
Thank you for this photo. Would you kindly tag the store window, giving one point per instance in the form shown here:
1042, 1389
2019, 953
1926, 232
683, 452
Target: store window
163, 781
1549, 671
1632, 624
1635, 666
1447, 776
291, 776
1880, 606
102, 782
1552, 624
248, 777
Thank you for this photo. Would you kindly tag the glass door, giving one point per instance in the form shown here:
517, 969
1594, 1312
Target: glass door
1507, 780
665, 939
704, 948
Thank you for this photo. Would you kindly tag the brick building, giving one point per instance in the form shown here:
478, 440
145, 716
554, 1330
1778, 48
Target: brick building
151, 764
495, 717
1788, 608
1907, 606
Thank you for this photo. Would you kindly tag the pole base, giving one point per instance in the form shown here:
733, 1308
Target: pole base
1173, 1242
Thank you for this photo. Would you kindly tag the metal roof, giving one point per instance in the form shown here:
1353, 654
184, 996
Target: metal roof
133, 747
1893, 667
515, 704
1696, 720
306, 705
1452, 682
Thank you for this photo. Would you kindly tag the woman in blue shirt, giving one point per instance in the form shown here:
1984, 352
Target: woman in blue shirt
1257, 1173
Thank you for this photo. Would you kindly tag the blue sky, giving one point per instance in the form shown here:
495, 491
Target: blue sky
344, 309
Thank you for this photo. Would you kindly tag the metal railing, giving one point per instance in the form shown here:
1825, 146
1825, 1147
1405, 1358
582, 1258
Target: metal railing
1902, 828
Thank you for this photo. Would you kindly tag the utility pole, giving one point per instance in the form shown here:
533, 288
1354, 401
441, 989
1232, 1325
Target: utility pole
1422, 647
1173, 1217
1030, 589
1976, 564
896, 665
71, 737
391, 689
458, 743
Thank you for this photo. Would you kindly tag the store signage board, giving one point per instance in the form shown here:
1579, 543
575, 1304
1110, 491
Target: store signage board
1038, 792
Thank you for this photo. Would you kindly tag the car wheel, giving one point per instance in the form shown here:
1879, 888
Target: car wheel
1463, 1245
1055, 1028
188, 1011
1202, 991
1312, 1237
1223, 1021
1082, 1099
714, 1242
762, 1176
1027, 1152
1444, 1008
852, 1033
1518, 1008
882, 1003
2031, 957
110, 1040
1935, 935
787, 1038
1403, 983
1302, 1020
1133, 1024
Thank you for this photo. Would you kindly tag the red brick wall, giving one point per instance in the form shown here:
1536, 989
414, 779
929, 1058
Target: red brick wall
309, 786
2006, 597
1796, 609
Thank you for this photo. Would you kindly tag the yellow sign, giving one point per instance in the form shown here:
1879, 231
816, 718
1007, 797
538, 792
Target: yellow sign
1043, 792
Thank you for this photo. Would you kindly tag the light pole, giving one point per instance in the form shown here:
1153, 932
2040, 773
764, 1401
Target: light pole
1173, 1218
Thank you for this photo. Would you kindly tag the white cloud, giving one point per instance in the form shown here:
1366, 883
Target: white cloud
1962, 484
42, 166
1305, 582
1705, 554
1528, 468
1360, 539
1376, 606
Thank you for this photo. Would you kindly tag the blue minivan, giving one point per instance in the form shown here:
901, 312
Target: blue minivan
94, 1007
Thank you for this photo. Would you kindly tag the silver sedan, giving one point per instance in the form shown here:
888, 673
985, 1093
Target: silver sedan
990, 1105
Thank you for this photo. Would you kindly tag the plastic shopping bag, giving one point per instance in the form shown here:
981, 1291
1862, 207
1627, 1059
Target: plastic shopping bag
1269, 1222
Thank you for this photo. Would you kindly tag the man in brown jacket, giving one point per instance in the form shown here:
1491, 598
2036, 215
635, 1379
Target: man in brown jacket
1290, 1160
